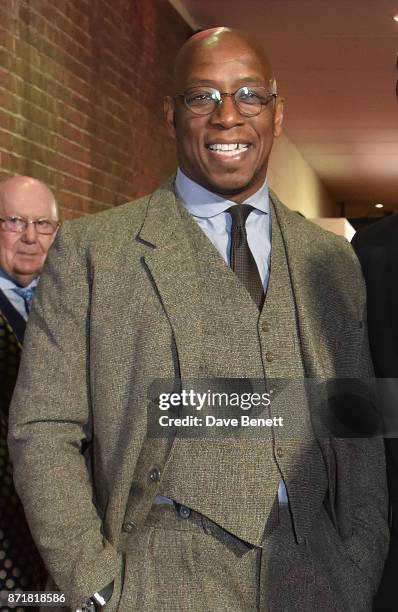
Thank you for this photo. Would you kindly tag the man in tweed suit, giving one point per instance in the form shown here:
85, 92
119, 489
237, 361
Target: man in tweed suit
205, 523
27, 208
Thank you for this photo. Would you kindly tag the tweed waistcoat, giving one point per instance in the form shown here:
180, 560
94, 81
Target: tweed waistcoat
234, 479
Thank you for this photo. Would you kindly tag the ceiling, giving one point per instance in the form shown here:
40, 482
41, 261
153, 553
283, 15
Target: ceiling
335, 63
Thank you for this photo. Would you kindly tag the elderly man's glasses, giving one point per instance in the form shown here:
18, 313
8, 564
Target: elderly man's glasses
249, 101
20, 224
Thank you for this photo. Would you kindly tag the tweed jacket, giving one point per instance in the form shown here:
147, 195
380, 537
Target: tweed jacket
126, 284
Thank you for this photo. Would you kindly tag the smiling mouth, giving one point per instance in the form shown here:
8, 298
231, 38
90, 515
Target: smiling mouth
228, 150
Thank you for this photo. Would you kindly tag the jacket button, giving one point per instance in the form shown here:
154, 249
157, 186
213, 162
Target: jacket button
184, 512
265, 326
154, 475
279, 452
269, 356
128, 527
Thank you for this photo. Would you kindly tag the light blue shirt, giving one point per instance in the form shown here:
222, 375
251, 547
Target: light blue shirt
7, 285
209, 211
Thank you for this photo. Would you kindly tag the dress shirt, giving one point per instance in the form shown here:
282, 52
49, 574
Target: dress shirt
7, 285
209, 212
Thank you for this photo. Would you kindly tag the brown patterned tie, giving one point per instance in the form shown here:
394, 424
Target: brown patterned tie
241, 258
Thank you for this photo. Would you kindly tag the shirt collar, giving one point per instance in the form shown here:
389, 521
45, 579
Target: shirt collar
203, 203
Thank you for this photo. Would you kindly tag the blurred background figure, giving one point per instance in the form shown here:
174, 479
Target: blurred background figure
29, 220
377, 249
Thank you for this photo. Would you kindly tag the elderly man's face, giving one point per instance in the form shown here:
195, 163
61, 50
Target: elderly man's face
227, 65
22, 255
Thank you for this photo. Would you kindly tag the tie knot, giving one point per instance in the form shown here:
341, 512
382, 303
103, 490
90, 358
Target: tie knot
25, 293
239, 213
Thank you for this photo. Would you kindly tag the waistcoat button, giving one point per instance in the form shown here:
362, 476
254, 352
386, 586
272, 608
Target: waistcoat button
269, 356
184, 512
265, 326
154, 475
279, 452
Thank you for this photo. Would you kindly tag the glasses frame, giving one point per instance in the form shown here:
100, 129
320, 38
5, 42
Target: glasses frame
271, 95
54, 224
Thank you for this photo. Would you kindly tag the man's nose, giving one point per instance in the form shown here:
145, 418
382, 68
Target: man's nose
30, 233
227, 114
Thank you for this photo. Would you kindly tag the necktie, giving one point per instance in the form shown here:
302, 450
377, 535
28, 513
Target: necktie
241, 258
27, 294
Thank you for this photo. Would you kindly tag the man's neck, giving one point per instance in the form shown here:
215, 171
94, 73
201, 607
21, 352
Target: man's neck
22, 280
237, 196
203, 203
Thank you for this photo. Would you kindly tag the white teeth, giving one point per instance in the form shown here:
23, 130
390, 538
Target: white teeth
228, 149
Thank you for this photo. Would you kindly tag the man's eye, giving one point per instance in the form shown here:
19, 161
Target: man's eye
14, 220
251, 97
203, 97
43, 223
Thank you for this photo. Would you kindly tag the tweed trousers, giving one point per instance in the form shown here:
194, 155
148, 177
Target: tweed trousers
179, 561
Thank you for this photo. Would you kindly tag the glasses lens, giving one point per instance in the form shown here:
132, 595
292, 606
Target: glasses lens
44, 226
202, 100
13, 224
251, 100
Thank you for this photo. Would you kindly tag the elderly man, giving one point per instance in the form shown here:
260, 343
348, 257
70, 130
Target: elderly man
28, 224
202, 522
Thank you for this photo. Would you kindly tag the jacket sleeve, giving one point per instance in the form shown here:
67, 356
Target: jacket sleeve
362, 461
50, 426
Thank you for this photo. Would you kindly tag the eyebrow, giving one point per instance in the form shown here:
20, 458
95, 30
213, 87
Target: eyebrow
261, 82
21, 216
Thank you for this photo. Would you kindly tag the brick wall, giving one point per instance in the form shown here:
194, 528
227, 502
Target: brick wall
81, 87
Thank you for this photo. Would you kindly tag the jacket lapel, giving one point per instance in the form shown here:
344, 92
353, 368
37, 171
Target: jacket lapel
304, 278
172, 266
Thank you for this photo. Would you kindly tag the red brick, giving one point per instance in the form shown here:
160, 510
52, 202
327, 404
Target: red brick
81, 97
68, 214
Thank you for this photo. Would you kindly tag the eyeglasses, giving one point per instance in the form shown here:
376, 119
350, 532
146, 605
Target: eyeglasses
249, 101
20, 224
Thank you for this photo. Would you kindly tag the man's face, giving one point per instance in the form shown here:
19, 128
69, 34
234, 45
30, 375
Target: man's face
22, 255
226, 66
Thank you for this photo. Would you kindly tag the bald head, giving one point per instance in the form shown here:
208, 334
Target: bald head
210, 41
29, 193
22, 253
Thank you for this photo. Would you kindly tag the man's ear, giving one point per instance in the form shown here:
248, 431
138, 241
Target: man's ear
169, 113
278, 117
